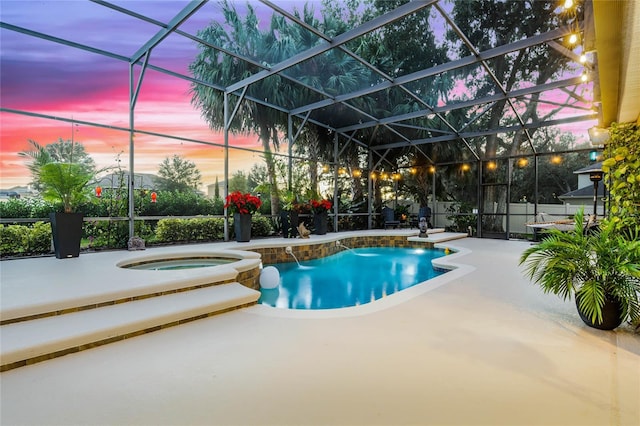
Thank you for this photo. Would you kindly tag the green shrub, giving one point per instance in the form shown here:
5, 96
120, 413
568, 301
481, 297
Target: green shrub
172, 230
16, 240
261, 226
39, 239
206, 229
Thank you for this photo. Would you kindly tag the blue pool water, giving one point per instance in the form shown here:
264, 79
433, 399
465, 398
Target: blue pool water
350, 277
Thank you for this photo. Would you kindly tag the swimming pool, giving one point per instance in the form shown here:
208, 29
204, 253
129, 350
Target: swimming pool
350, 278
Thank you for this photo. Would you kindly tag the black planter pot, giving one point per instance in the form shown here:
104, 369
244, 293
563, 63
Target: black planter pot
66, 229
290, 223
320, 224
611, 314
242, 227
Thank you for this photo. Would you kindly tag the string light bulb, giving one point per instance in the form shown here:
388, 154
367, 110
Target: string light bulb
584, 77
568, 4
573, 39
583, 58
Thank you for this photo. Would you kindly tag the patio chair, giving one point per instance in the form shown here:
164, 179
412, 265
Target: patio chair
389, 218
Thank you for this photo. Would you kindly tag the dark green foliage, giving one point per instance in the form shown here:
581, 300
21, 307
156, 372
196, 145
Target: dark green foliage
114, 234
178, 204
26, 208
261, 226
461, 216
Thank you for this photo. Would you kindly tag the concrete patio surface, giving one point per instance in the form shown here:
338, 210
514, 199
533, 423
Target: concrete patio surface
483, 346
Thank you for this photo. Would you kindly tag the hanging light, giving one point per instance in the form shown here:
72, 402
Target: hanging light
568, 4
573, 39
583, 58
432, 169
523, 162
491, 165
584, 77
465, 167
556, 159
356, 173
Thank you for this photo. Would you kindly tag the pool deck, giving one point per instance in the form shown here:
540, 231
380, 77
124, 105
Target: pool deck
478, 345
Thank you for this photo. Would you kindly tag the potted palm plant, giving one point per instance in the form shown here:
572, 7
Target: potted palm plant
66, 183
599, 267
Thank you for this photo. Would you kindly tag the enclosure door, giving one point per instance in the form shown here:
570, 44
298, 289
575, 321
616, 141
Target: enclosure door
494, 211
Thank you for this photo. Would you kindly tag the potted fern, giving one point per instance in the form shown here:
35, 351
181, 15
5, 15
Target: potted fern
66, 183
600, 268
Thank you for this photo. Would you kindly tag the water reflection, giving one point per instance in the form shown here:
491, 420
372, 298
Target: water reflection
350, 278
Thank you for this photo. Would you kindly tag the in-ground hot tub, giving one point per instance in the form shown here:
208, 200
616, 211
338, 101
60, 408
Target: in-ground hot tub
178, 261
172, 264
198, 267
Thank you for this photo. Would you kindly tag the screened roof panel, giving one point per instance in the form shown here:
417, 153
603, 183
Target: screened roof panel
83, 22
383, 76
158, 10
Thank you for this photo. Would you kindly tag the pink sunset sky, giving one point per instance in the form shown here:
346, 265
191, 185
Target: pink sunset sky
58, 81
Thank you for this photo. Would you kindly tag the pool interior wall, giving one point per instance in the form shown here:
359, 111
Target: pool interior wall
272, 255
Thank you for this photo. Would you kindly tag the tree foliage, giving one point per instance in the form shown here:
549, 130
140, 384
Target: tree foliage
61, 151
178, 174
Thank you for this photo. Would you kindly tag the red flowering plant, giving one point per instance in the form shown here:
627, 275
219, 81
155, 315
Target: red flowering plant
237, 202
320, 206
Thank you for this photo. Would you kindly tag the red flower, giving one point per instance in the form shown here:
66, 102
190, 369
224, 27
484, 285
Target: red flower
319, 206
237, 202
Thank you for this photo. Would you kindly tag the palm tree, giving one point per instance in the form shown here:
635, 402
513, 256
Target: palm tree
252, 46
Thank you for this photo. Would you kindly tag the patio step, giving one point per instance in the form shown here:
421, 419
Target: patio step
28, 342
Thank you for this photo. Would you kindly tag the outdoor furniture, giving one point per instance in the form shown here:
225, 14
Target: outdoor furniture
388, 215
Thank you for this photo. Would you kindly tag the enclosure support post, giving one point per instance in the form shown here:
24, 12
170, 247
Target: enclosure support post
335, 182
480, 202
369, 191
227, 121
290, 139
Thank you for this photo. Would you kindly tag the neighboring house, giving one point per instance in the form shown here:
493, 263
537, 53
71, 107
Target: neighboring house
140, 181
584, 194
211, 189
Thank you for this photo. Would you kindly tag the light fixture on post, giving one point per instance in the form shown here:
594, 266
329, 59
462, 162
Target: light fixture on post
595, 176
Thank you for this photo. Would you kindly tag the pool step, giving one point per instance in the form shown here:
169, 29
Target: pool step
36, 340
439, 237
